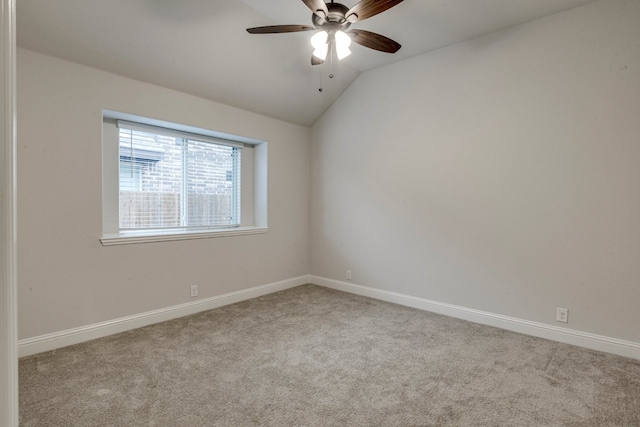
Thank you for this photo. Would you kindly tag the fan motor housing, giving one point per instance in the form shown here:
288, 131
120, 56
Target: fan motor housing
336, 18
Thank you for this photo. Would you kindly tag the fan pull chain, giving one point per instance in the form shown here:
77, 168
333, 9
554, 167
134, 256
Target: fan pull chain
331, 69
331, 65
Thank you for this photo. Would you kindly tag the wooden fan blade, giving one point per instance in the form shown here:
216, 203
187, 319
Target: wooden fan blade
368, 8
318, 7
374, 41
274, 29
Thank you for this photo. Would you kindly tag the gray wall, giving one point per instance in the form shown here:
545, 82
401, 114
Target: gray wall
66, 278
500, 174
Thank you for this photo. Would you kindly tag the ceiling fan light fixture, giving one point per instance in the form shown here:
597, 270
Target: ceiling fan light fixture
319, 43
330, 22
343, 41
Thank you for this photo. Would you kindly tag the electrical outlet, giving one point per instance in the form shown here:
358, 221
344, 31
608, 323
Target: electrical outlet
348, 274
562, 315
194, 291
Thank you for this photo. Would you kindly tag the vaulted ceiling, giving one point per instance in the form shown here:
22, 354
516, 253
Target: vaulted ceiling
201, 46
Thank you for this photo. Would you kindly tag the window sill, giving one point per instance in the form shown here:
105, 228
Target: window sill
167, 236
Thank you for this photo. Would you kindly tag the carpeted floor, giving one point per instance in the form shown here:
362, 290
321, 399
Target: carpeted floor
311, 356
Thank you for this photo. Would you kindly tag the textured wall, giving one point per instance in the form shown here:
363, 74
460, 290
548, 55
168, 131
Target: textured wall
500, 174
66, 278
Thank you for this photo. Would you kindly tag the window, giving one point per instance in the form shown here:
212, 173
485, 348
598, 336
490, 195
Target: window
171, 183
189, 183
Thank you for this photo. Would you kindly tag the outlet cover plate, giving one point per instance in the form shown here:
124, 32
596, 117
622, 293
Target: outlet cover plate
562, 315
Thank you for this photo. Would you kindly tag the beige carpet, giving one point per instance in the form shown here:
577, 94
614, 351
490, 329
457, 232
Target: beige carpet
311, 356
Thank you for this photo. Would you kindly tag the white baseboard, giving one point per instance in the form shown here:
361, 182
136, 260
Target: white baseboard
567, 336
39, 344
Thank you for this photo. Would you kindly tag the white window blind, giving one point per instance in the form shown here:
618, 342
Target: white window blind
130, 175
176, 180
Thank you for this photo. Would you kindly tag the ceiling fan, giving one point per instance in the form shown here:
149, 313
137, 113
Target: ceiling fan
333, 20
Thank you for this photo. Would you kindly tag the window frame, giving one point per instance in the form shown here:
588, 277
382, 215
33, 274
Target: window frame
253, 214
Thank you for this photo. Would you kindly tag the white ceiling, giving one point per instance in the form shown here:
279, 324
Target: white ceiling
201, 46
